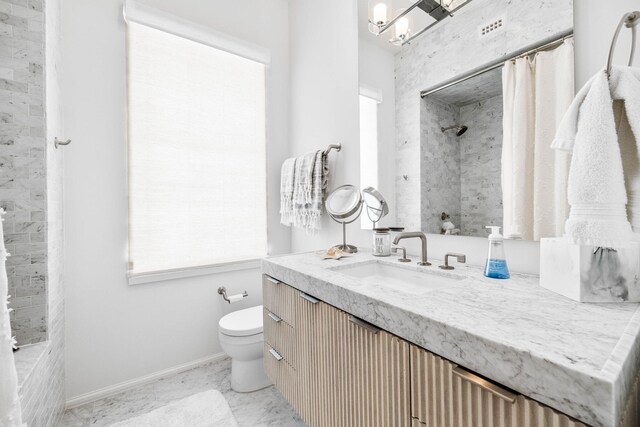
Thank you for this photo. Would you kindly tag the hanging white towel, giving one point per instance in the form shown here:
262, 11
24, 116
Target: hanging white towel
287, 175
596, 191
10, 411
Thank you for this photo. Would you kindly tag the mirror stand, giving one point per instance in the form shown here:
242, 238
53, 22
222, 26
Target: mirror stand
349, 249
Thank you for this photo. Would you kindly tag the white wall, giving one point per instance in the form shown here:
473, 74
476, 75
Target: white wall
324, 101
116, 332
595, 23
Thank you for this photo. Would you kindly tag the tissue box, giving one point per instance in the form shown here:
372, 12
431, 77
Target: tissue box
588, 273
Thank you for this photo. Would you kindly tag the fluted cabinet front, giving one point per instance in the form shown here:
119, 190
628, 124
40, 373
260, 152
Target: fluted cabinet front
446, 395
350, 373
318, 362
376, 377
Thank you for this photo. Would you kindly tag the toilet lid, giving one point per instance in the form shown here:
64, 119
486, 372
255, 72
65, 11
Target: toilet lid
242, 323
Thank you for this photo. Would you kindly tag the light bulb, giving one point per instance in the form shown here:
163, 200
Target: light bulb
380, 14
402, 28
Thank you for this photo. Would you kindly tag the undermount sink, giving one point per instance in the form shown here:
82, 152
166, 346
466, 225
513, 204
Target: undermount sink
400, 278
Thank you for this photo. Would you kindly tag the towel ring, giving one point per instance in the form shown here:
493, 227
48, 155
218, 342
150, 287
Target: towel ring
629, 20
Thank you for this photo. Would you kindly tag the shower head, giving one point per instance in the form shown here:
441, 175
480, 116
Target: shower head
460, 129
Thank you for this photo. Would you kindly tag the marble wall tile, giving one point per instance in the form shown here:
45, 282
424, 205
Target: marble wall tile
480, 165
22, 167
440, 165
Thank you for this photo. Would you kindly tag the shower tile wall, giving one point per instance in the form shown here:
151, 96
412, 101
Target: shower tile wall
461, 175
22, 164
440, 158
31, 189
480, 165
448, 50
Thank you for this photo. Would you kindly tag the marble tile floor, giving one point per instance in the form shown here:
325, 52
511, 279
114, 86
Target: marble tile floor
265, 407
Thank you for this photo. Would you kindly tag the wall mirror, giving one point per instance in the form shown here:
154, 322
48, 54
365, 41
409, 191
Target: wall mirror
473, 92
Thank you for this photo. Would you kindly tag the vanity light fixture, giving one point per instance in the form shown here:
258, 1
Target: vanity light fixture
379, 21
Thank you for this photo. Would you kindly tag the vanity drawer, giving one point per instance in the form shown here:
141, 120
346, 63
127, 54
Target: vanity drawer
447, 395
279, 298
281, 373
280, 335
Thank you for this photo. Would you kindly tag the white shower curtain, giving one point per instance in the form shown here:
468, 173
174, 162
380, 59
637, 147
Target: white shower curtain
536, 94
10, 412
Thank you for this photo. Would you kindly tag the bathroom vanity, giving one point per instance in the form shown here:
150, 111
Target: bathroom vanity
366, 341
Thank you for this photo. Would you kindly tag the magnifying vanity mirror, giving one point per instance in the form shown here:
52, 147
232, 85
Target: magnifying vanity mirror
376, 206
344, 205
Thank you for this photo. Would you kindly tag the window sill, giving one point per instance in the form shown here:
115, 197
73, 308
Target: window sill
159, 276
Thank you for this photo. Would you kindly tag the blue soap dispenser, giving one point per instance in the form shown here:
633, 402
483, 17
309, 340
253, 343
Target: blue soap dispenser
496, 266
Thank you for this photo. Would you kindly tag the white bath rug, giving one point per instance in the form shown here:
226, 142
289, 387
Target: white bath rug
206, 409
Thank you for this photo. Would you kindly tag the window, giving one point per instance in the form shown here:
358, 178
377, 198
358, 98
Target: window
197, 153
368, 149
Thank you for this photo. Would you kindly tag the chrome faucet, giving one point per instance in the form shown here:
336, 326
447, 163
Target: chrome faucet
423, 239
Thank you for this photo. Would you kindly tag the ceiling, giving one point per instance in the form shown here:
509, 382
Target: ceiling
478, 88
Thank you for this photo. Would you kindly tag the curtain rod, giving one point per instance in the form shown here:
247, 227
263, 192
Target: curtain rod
527, 50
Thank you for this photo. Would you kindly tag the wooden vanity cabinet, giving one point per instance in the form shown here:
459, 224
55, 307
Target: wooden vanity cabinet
338, 370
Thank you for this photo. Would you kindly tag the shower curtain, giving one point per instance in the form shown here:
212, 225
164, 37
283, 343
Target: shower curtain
536, 94
10, 412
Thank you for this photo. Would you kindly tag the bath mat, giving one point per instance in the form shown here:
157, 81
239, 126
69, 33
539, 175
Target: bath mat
206, 409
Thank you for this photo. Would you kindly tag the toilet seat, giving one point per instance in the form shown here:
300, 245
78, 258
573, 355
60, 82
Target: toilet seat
242, 323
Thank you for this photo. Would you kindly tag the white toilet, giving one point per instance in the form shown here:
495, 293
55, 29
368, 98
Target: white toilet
241, 337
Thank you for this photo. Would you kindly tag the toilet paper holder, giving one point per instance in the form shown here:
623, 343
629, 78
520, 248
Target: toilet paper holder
223, 291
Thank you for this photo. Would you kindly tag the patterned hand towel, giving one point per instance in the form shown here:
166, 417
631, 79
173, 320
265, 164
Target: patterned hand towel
303, 180
287, 175
303, 183
319, 185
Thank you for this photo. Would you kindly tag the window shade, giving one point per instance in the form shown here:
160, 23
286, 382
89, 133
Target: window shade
197, 155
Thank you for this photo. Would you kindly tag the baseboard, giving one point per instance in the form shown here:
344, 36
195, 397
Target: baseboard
126, 385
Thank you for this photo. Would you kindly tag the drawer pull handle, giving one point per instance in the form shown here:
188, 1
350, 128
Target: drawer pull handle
275, 354
272, 280
273, 317
366, 325
309, 298
486, 385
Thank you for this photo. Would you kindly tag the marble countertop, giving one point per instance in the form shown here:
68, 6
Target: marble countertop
578, 358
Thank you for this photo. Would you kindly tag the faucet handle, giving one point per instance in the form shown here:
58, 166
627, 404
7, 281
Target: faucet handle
459, 257
404, 258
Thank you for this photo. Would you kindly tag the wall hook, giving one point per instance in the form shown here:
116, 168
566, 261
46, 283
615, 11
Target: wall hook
57, 142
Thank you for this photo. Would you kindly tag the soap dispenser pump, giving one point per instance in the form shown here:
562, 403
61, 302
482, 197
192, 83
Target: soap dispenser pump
496, 267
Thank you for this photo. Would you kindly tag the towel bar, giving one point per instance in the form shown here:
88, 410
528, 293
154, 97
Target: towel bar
629, 20
336, 147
